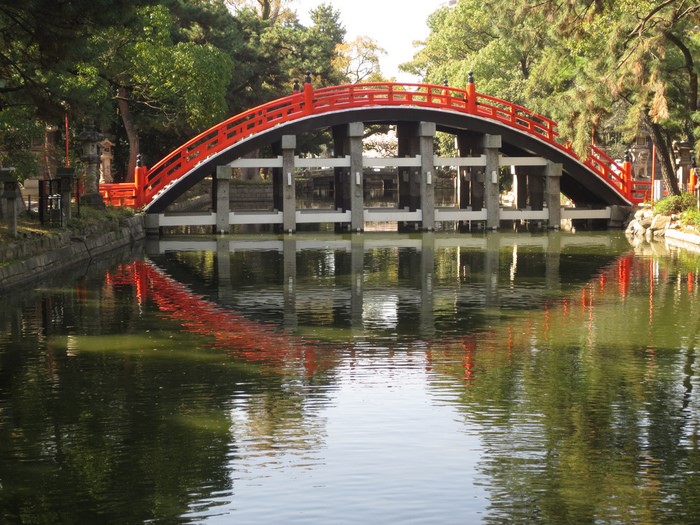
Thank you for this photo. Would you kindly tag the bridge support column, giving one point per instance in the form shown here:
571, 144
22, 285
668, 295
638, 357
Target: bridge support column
471, 192
152, 225
535, 187
349, 184
426, 132
289, 204
223, 199
520, 187
409, 177
492, 146
553, 173
356, 180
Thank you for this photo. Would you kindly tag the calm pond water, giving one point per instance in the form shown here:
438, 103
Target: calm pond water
393, 379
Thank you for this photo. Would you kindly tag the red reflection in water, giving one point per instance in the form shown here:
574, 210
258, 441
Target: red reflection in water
255, 342
279, 349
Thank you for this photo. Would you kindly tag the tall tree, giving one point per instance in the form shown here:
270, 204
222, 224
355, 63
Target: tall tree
579, 61
485, 37
635, 55
40, 43
158, 84
359, 60
319, 50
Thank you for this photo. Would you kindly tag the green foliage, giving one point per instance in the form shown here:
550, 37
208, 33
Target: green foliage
603, 68
675, 204
18, 132
691, 217
176, 68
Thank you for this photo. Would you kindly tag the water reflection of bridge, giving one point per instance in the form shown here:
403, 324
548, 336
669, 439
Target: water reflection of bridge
489, 267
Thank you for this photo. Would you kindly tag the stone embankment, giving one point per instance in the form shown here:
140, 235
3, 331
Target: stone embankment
649, 226
29, 260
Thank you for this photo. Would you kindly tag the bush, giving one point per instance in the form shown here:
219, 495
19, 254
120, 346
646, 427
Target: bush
675, 204
691, 217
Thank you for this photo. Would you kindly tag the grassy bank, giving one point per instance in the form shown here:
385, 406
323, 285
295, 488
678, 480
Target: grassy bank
29, 228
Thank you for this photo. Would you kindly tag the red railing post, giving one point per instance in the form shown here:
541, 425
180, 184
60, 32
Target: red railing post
139, 182
446, 94
627, 174
471, 94
308, 93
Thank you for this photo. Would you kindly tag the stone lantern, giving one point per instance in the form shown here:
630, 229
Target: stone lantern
106, 158
9, 198
90, 155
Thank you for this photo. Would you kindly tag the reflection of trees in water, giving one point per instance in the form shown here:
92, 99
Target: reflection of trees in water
587, 413
120, 428
584, 402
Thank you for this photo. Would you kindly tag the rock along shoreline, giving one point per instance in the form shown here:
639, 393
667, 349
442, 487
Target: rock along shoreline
650, 227
43, 257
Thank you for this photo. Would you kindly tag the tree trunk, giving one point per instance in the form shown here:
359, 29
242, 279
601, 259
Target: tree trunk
665, 154
131, 132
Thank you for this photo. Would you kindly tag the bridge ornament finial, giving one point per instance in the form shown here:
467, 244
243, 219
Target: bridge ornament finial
307, 79
139, 160
296, 87
470, 77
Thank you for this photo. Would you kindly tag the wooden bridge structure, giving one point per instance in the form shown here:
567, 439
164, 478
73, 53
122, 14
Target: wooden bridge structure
490, 134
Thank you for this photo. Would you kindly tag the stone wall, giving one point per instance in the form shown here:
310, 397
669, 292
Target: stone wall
26, 261
251, 196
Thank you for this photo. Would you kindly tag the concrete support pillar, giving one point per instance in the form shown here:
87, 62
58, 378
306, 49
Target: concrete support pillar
492, 146
409, 178
476, 197
289, 144
553, 173
341, 176
222, 205
152, 225
471, 194
463, 187
520, 187
349, 182
426, 132
409, 195
535, 187
356, 187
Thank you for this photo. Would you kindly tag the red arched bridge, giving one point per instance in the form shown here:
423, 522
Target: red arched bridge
525, 139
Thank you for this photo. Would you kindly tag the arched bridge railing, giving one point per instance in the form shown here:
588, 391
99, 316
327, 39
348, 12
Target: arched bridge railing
309, 101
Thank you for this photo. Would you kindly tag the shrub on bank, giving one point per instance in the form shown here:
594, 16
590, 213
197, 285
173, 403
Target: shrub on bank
691, 217
675, 204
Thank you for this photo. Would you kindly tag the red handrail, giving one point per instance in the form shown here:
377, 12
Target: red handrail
336, 98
